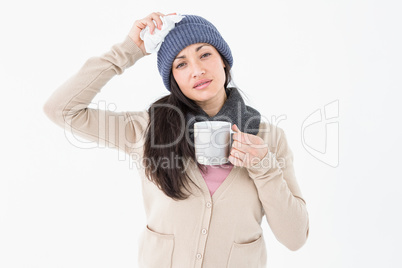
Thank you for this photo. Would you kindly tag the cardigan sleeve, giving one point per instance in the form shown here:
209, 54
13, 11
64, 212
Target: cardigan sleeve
280, 195
68, 106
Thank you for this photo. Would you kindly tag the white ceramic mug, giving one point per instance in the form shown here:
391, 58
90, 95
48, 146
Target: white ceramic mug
213, 142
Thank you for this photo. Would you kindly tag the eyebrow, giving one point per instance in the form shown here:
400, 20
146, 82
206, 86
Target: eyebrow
196, 50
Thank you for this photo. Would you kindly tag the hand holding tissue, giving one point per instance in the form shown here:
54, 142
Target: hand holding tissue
154, 41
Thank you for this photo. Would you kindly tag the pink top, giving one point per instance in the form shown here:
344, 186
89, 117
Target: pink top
215, 175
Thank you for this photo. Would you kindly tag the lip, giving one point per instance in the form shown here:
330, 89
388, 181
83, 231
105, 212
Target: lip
206, 81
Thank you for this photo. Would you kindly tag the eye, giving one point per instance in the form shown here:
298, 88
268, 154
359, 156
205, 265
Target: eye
180, 65
205, 55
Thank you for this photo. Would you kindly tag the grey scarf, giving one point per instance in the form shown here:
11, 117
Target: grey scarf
234, 110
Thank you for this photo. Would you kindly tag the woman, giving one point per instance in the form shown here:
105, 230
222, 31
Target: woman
197, 216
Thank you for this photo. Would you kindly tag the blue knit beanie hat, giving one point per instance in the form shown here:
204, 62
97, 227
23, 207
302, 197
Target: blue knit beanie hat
190, 30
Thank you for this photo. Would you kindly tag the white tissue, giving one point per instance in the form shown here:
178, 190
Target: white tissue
154, 41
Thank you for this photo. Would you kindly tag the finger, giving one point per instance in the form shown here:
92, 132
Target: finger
141, 24
239, 146
235, 161
237, 154
156, 17
245, 138
238, 135
235, 128
150, 23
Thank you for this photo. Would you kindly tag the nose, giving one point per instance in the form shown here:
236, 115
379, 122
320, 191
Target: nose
198, 69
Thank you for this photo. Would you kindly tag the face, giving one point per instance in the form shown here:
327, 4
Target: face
199, 72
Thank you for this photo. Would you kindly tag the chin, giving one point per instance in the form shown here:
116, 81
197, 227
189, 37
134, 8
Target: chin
204, 95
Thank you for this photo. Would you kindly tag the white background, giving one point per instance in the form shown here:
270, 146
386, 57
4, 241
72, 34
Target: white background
65, 206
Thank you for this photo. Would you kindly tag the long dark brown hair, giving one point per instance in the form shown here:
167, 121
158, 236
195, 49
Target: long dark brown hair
166, 138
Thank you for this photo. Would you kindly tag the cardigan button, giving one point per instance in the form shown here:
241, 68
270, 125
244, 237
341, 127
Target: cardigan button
204, 231
209, 204
199, 256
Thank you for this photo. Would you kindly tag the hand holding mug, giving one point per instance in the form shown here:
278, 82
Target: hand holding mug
247, 150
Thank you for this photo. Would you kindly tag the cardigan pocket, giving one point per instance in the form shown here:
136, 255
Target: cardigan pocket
246, 254
155, 249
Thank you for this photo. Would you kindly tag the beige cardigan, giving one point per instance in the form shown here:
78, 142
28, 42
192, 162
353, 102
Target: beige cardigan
202, 231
